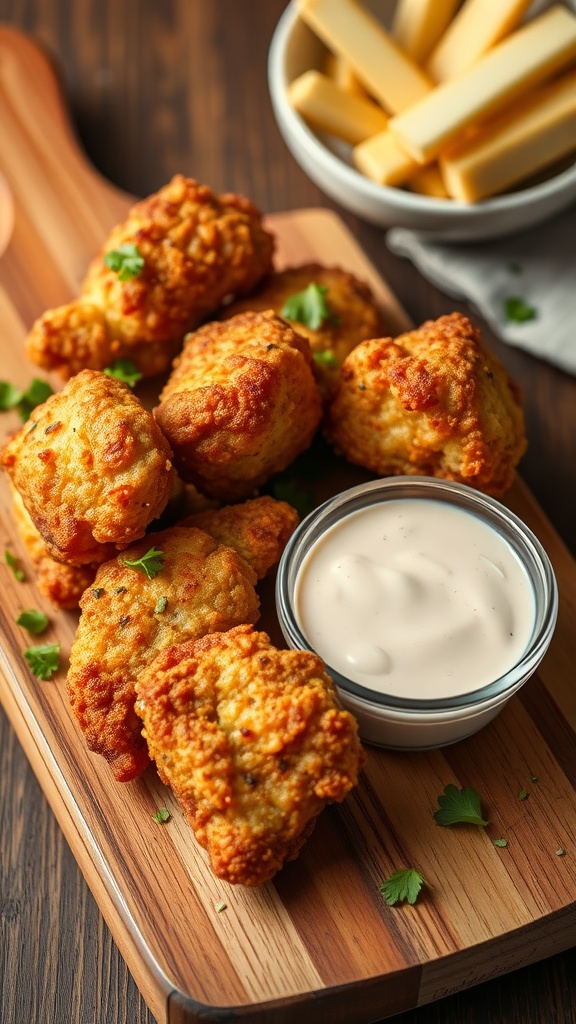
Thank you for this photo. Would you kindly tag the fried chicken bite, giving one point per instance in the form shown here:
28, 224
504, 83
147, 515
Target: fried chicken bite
352, 312
258, 529
240, 404
62, 584
253, 742
197, 248
92, 467
128, 619
434, 401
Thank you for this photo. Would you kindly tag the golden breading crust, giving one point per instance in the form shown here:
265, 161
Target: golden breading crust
240, 404
61, 584
252, 741
127, 619
92, 467
355, 315
197, 247
258, 529
434, 401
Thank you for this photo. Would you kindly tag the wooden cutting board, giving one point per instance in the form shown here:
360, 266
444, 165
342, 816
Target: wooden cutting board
318, 942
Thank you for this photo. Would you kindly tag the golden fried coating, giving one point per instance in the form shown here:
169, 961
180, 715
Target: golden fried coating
127, 619
252, 741
434, 401
240, 404
258, 529
61, 584
198, 248
92, 467
355, 315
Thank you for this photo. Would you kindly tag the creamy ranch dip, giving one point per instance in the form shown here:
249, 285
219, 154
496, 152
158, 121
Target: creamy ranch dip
415, 598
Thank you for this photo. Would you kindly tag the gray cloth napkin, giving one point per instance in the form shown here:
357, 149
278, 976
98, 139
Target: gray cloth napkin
537, 266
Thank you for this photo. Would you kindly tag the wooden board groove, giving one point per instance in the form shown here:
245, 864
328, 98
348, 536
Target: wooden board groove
318, 940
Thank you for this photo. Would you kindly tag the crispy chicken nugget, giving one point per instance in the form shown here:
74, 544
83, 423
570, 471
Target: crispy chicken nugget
353, 313
197, 248
434, 401
253, 742
92, 468
240, 404
127, 619
258, 529
62, 584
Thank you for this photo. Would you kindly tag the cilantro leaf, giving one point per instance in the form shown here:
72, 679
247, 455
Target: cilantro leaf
500, 842
308, 307
43, 660
12, 562
33, 621
402, 885
459, 806
126, 261
162, 815
518, 311
523, 794
326, 358
161, 604
25, 401
150, 564
125, 371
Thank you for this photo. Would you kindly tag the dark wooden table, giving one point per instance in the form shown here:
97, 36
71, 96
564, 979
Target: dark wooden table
155, 87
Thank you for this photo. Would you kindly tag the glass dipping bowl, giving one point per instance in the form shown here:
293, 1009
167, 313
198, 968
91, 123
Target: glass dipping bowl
407, 723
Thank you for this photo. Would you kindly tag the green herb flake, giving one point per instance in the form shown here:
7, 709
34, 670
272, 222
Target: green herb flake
326, 358
459, 806
500, 842
150, 564
25, 401
162, 815
308, 307
124, 370
161, 604
12, 563
523, 794
126, 261
402, 885
296, 496
518, 311
33, 621
43, 660
220, 906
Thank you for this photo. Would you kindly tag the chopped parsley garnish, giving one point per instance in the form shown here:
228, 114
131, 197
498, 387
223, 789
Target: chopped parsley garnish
523, 794
125, 371
500, 842
518, 311
12, 563
402, 885
459, 806
161, 604
33, 621
126, 261
308, 307
150, 564
162, 815
24, 401
43, 660
326, 359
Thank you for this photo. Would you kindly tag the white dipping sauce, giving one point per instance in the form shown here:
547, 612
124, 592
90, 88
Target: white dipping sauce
415, 598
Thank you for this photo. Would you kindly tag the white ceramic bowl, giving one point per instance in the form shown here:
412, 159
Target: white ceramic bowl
295, 49
400, 722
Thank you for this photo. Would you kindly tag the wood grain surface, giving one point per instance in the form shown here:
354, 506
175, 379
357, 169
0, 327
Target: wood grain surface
321, 927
